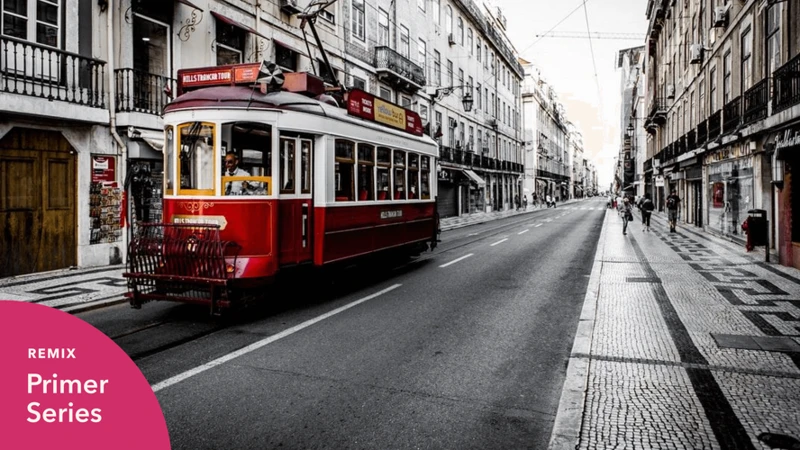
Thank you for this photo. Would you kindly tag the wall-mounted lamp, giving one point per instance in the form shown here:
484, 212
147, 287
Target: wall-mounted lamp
778, 170
466, 100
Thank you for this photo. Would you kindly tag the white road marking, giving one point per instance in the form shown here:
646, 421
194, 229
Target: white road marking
537, 225
523, 231
473, 234
498, 242
457, 260
256, 345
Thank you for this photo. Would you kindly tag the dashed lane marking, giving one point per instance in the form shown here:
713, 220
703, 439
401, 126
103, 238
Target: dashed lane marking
256, 345
457, 260
524, 231
537, 225
499, 242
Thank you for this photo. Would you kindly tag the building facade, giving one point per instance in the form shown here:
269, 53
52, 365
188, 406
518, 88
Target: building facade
450, 61
629, 175
722, 107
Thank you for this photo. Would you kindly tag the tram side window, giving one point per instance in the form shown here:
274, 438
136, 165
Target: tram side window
305, 166
413, 176
246, 159
288, 152
399, 175
169, 156
425, 174
384, 171
366, 171
196, 166
344, 165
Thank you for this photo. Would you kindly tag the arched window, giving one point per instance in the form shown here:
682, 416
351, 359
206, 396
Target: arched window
448, 19
460, 31
469, 40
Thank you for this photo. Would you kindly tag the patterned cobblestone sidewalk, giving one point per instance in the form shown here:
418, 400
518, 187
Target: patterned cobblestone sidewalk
684, 343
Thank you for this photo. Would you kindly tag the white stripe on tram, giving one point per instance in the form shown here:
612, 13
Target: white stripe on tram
457, 260
256, 345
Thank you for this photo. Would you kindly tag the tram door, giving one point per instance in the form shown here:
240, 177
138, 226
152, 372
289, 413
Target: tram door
295, 204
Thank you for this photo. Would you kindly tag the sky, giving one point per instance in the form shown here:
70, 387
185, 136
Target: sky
592, 104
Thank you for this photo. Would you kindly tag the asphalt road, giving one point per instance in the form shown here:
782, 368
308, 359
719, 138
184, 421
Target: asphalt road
464, 347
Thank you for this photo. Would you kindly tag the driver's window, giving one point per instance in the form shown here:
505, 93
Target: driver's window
246, 159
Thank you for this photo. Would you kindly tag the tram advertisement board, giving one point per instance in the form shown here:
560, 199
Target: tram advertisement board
367, 106
65, 384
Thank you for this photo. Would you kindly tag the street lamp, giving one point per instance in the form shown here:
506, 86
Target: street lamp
466, 100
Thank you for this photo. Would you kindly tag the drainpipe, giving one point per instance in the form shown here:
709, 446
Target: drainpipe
112, 110
258, 31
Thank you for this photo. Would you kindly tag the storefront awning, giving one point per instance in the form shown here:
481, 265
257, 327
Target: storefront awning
229, 21
154, 139
474, 178
190, 4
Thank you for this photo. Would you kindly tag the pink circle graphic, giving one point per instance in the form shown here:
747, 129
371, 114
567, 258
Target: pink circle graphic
65, 384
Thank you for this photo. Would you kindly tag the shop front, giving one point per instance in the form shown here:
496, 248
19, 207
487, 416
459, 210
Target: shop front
730, 190
785, 163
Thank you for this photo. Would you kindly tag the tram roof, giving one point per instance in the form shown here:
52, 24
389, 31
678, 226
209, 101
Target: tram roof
241, 97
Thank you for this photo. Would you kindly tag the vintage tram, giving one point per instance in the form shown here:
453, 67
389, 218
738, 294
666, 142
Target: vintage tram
257, 180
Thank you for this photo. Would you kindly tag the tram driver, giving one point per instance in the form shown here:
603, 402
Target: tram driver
232, 169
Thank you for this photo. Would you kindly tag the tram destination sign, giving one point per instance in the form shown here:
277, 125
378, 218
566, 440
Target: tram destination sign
217, 76
367, 106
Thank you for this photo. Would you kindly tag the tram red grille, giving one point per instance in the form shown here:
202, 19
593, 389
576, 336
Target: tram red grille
184, 262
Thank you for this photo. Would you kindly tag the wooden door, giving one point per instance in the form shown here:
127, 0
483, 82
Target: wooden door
37, 202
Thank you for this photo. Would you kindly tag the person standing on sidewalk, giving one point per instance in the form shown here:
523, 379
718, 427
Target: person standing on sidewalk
672, 210
627, 214
647, 208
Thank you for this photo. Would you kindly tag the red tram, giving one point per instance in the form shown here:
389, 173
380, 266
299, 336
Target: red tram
255, 182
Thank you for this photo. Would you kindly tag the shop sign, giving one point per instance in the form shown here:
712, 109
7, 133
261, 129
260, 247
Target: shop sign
788, 139
367, 106
104, 169
660, 181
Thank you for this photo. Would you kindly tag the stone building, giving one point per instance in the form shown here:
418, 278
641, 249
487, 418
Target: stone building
630, 171
722, 102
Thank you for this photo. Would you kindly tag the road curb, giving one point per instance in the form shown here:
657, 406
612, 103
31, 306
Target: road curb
569, 417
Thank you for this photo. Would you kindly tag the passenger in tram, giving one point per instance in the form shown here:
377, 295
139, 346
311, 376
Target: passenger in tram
232, 169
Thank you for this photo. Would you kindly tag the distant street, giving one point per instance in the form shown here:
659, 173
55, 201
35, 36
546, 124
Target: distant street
465, 347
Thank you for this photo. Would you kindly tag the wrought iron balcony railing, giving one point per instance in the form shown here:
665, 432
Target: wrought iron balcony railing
715, 125
732, 115
388, 59
755, 102
702, 133
143, 92
27, 68
786, 87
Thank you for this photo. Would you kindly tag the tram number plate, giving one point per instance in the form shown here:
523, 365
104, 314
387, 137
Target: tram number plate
391, 214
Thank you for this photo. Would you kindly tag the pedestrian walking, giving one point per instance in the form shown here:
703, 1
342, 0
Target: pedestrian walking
627, 214
647, 208
672, 210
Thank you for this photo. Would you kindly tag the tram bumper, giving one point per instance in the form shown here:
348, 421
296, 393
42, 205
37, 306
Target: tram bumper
180, 262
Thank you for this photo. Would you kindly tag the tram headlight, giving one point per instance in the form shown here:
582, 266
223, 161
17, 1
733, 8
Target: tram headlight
229, 268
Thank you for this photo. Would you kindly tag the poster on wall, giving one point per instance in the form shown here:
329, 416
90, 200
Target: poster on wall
105, 201
718, 195
104, 169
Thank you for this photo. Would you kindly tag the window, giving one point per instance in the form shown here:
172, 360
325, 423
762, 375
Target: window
448, 19
726, 81
358, 83
366, 170
486, 56
702, 87
327, 16
773, 56
469, 41
712, 90
249, 145
423, 113
747, 60
438, 123
343, 170
287, 165
327, 74
384, 170
450, 73
196, 159
478, 97
486, 99
357, 27
437, 68
436, 6
26, 19
460, 31
386, 94
421, 5
425, 175
230, 44
691, 111
460, 77
169, 156
471, 139
405, 102
399, 175
305, 166
461, 142
286, 58
404, 43
383, 28
413, 176
478, 49
421, 52
150, 50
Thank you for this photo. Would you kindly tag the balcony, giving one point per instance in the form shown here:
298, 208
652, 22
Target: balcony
715, 125
755, 102
702, 133
27, 68
732, 114
657, 112
142, 92
786, 87
398, 70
